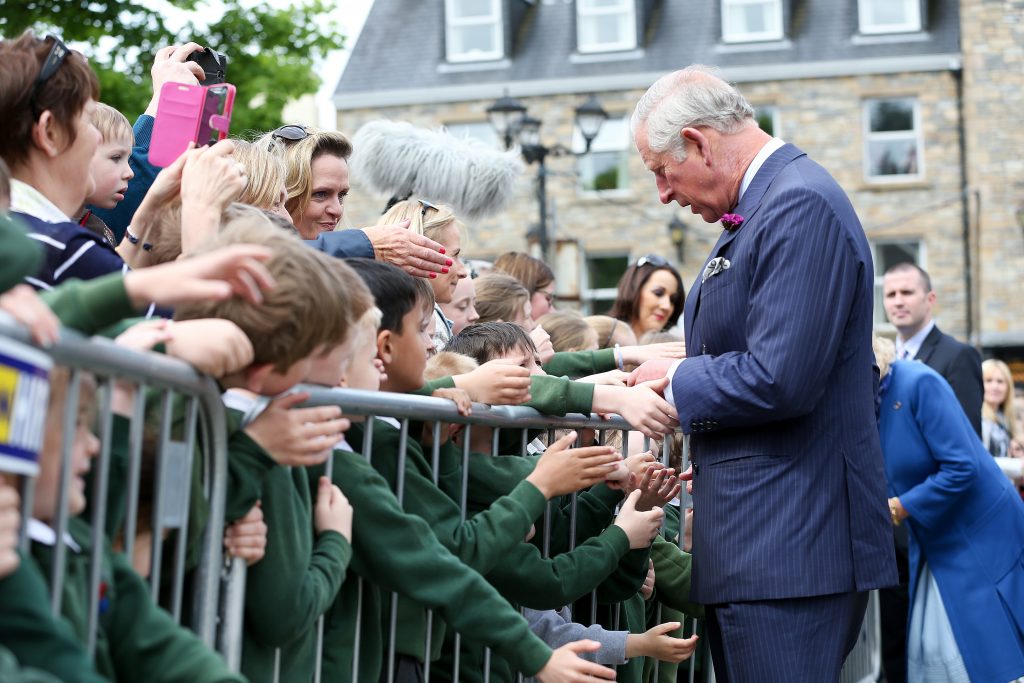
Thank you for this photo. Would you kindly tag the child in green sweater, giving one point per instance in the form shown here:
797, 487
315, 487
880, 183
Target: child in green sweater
135, 637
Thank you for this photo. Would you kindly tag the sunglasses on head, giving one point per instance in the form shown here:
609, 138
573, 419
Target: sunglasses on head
53, 60
290, 133
653, 260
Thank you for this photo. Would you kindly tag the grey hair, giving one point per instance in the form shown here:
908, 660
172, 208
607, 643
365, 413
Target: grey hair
691, 97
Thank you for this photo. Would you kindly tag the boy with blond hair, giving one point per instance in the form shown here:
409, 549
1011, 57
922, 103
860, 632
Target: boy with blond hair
109, 169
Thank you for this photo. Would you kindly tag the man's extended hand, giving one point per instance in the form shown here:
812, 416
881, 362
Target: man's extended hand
650, 370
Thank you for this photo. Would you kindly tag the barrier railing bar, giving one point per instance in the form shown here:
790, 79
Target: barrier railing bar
70, 420
99, 513
135, 433
435, 465
463, 503
156, 553
403, 448
357, 639
178, 583
318, 670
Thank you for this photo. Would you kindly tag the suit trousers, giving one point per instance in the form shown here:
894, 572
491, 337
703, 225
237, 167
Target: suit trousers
796, 640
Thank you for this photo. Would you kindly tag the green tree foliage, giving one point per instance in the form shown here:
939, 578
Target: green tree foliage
271, 51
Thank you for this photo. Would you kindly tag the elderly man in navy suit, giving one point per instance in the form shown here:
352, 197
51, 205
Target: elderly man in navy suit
791, 527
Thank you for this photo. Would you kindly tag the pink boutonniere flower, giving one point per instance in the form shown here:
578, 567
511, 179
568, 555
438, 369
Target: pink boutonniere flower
731, 221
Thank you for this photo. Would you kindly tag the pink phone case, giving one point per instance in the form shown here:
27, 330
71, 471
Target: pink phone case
177, 120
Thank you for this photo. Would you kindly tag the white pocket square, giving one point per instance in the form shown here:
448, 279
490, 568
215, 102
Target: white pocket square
714, 267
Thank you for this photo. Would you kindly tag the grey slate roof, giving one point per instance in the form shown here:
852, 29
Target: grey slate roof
400, 58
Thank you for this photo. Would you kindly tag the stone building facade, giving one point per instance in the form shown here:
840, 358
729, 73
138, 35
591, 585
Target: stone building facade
961, 137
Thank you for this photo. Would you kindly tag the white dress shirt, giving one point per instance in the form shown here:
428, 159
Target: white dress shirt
907, 350
769, 148
31, 202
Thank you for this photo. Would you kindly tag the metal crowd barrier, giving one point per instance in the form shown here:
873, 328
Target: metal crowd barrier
217, 610
175, 384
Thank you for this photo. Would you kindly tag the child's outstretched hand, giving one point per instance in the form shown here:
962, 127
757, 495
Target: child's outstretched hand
333, 511
236, 270
645, 409
297, 437
463, 402
23, 304
214, 346
566, 666
615, 378
647, 590
637, 464
496, 382
246, 537
542, 340
659, 644
657, 487
640, 527
637, 355
562, 470
10, 524
688, 531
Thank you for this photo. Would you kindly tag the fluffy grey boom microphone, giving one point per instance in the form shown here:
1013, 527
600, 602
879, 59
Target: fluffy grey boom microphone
397, 158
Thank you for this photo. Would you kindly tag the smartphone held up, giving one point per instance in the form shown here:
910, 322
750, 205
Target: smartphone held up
189, 113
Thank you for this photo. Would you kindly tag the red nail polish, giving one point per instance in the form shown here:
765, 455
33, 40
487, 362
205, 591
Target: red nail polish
433, 275
444, 271
443, 251
448, 262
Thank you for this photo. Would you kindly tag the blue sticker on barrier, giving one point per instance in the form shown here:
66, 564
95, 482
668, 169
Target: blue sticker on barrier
24, 393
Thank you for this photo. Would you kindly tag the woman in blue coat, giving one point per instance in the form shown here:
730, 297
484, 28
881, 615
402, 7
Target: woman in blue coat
966, 528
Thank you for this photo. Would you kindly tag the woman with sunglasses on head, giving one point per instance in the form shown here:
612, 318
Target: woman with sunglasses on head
48, 140
317, 178
439, 224
650, 297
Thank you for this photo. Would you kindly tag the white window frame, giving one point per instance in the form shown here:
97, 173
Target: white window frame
880, 320
776, 119
626, 8
867, 28
601, 144
870, 137
496, 21
736, 37
588, 295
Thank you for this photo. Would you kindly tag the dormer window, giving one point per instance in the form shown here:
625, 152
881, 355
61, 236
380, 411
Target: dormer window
473, 30
745, 21
605, 25
889, 16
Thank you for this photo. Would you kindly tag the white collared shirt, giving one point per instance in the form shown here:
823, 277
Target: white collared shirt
769, 148
41, 532
912, 345
30, 201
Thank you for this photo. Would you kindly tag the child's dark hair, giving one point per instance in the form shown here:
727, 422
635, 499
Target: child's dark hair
487, 341
395, 291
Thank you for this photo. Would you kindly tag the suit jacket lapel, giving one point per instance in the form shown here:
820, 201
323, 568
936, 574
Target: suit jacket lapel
928, 346
749, 205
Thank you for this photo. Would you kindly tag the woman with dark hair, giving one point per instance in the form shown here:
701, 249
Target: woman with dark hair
650, 297
48, 140
535, 275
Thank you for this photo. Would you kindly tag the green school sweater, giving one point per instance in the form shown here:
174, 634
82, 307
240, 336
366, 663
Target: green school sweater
296, 581
92, 305
481, 541
394, 550
136, 640
20, 255
12, 672
574, 364
33, 636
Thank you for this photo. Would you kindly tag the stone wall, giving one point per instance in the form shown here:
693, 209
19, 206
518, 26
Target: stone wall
822, 116
993, 46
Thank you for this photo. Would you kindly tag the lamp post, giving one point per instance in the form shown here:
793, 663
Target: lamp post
677, 234
512, 123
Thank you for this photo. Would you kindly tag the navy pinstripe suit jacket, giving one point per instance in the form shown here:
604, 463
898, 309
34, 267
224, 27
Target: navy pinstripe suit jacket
779, 396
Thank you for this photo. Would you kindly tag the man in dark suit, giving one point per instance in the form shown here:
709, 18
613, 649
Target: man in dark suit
791, 527
908, 298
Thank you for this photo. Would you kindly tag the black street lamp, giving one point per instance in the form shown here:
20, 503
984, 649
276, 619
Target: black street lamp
510, 121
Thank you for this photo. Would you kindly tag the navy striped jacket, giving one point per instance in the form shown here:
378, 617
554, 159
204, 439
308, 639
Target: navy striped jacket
69, 252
